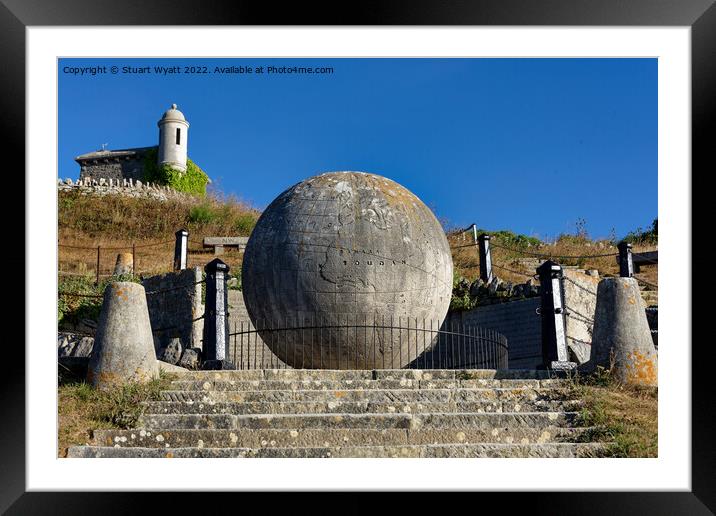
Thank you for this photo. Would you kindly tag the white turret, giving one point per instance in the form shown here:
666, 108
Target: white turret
173, 138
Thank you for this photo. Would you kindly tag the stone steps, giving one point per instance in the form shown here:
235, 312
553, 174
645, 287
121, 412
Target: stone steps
343, 413
378, 374
331, 437
426, 420
333, 385
368, 395
487, 450
356, 407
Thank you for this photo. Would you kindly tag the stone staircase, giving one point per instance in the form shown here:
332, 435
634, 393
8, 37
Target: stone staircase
329, 413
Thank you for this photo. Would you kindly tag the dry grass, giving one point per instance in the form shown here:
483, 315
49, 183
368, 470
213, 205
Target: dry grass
82, 409
467, 263
622, 416
116, 222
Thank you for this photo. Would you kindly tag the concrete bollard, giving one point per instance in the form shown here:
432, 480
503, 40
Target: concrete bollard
124, 264
621, 329
124, 348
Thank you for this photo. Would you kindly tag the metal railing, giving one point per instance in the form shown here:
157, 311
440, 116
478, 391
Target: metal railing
365, 342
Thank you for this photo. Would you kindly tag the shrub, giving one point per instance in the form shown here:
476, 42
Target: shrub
201, 214
642, 236
244, 223
193, 180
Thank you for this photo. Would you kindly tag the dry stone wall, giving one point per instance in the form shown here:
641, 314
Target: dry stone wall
126, 187
174, 302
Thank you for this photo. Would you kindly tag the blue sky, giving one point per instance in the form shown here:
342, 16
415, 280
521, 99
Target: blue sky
529, 145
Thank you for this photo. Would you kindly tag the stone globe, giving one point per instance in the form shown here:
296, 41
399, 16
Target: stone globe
347, 270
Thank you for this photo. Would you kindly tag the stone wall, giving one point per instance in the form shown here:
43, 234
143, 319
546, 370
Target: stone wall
580, 302
516, 320
174, 301
127, 168
126, 187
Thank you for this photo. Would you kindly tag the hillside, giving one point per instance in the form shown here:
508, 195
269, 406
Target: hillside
115, 223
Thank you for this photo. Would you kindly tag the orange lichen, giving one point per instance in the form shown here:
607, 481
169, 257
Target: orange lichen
640, 369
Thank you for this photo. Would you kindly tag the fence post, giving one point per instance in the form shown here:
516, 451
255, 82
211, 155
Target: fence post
216, 316
180, 249
626, 261
134, 258
554, 341
485, 258
97, 281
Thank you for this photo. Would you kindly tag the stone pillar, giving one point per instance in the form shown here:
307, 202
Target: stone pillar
180, 249
124, 264
555, 354
124, 348
216, 316
621, 333
626, 262
197, 328
485, 259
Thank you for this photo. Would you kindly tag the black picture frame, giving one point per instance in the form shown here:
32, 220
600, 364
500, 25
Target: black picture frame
700, 15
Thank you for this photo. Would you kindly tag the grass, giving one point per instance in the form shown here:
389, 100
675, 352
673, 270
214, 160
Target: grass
623, 417
466, 260
82, 409
115, 222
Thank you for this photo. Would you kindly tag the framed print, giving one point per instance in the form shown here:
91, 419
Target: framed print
412, 249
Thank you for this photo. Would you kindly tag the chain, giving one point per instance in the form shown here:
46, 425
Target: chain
135, 246
579, 340
645, 282
579, 286
513, 272
580, 317
547, 255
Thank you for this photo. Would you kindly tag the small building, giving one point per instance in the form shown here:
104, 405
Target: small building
130, 163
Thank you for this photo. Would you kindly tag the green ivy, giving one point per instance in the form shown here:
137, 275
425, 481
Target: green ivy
193, 180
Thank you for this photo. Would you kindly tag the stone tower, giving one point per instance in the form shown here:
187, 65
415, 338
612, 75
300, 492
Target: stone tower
173, 138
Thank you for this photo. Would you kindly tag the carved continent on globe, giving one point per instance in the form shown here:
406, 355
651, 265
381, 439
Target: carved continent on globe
347, 249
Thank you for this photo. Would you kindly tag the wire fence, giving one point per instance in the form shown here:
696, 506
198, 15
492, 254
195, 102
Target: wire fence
99, 261
365, 342
551, 256
188, 288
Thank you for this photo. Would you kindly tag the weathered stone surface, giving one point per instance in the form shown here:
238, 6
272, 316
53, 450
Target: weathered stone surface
124, 348
190, 358
176, 310
411, 421
312, 437
346, 245
381, 413
170, 368
522, 395
357, 407
172, 352
580, 299
84, 347
72, 345
621, 333
124, 264
495, 450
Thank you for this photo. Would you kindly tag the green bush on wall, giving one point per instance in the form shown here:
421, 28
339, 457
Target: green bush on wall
193, 180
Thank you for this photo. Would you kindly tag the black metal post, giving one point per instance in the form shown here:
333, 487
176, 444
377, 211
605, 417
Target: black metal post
216, 316
554, 342
485, 259
626, 260
180, 249
97, 280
